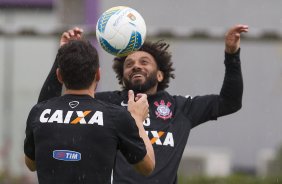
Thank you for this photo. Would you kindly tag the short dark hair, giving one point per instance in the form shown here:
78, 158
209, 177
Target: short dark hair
78, 62
163, 59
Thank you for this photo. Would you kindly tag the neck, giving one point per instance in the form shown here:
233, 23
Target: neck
151, 91
89, 92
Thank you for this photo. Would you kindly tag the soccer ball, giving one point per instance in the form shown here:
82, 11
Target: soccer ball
121, 30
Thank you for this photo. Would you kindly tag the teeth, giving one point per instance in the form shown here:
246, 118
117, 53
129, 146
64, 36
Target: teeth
137, 75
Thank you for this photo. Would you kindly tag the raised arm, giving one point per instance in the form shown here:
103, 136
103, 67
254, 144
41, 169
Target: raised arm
52, 87
232, 89
138, 109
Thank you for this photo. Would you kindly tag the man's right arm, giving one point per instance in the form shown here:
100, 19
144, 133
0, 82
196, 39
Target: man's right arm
147, 164
52, 87
138, 109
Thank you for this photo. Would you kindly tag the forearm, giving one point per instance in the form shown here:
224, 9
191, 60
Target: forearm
232, 88
51, 87
148, 144
147, 165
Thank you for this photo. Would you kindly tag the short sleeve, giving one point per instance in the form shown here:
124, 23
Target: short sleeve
29, 146
131, 144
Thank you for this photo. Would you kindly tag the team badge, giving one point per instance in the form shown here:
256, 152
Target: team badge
163, 111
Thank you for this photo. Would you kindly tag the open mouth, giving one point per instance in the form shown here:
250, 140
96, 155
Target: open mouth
136, 75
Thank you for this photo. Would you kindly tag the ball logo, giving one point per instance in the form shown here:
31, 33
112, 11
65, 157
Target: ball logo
66, 155
131, 16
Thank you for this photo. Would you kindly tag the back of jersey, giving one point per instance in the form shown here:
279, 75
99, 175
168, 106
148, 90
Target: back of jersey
75, 140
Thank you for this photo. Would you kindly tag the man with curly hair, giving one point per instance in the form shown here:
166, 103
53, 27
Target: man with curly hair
171, 117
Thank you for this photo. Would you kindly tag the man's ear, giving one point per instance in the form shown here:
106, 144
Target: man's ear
160, 76
59, 76
98, 75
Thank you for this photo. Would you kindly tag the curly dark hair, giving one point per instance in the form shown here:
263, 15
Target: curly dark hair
78, 63
163, 58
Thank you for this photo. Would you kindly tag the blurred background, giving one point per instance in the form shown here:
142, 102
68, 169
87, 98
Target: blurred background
245, 143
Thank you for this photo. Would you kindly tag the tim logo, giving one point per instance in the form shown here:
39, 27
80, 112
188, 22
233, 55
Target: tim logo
66, 155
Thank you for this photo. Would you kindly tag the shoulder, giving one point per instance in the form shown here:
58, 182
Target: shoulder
47, 102
38, 106
182, 98
42, 105
196, 99
114, 110
35, 111
120, 116
114, 97
107, 94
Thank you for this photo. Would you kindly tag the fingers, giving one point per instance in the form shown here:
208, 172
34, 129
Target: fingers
72, 34
130, 96
140, 97
232, 37
141, 101
75, 32
138, 106
240, 28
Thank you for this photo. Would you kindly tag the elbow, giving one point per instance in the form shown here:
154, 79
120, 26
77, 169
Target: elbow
151, 165
145, 167
234, 108
30, 164
229, 107
32, 169
148, 170
237, 106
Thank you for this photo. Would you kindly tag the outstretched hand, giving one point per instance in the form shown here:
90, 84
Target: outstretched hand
138, 106
232, 38
72, 34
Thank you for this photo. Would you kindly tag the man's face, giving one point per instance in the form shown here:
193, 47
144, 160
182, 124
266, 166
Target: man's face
140, 72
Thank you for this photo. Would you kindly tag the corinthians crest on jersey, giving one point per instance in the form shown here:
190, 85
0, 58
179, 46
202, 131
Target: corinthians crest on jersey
163, 110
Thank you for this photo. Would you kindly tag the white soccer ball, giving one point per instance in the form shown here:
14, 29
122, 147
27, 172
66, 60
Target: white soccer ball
121, 30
